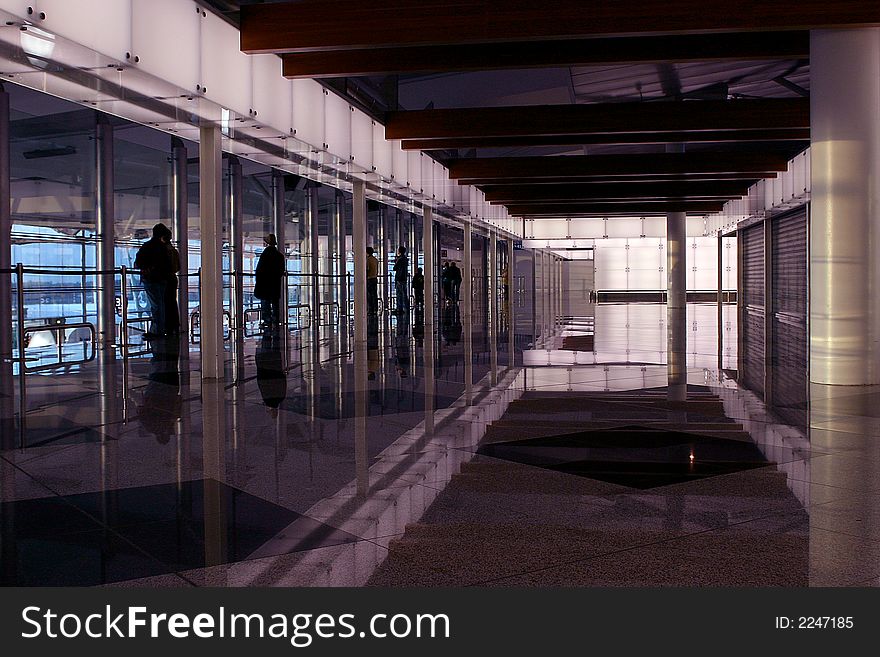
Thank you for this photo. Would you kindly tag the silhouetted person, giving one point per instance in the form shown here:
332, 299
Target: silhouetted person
454, 281
401, 349
446, 282
172, 311
372, 282
372, 346
418, 286
271, 378
269, 271
154, 263
401, 269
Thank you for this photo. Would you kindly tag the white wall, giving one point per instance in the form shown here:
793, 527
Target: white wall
639, 263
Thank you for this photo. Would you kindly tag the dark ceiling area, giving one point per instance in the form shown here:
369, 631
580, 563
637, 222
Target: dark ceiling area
636, 97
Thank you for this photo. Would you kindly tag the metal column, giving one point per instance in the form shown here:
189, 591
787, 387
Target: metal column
236, 263
7, 389
211, 282
105, 215
467, 297
720, 301
428, 248
511, 320
180, 207
359, 246
342, 260
279, 228
676, 306
493, 306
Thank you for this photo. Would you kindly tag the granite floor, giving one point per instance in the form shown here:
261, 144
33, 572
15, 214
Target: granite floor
538, 454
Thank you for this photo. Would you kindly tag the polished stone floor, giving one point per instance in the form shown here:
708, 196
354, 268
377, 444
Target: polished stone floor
470, 457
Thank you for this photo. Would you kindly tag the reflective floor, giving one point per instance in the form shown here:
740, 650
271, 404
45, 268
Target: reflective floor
438, 454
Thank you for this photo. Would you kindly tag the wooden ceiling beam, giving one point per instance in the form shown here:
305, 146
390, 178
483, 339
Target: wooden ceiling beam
311, 25
608, 166
581, 52
637, 208
785, 137
747, 178
778, 114
504, 194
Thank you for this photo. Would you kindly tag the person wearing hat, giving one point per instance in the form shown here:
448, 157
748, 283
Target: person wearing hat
270, 269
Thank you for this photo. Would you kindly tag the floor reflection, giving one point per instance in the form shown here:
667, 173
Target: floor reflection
433, 457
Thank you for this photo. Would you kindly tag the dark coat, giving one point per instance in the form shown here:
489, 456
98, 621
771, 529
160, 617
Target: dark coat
401, 267
154, 261
270, 269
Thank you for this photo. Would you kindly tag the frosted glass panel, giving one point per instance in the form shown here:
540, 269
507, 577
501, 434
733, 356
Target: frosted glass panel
226, 71
427, 176
414, 169
362, 140
382, 151
272, 93
102, 25
400, 163
179, 23
586, 228
308, 112
624, 226
337, 126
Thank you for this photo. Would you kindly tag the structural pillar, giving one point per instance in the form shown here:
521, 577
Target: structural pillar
467, 298
676, 306
511, 319
236, 238
211, 283
279, 228
342, 261
493, 306
180, 205
720, 301
106, 261
7, 388
428, 248
359, 246
845, 208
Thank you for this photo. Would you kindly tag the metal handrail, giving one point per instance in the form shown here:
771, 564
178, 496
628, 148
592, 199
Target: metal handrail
59, 329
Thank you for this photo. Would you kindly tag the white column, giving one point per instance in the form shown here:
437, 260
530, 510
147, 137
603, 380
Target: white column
845, 211
211, 212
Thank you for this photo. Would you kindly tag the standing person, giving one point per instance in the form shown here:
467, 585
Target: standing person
446, 282
418, 286
401, 269
455, 281
172, 312
270, 269
372, 282
154, 263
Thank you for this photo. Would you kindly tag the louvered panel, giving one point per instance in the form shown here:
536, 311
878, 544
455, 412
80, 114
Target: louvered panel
753, 300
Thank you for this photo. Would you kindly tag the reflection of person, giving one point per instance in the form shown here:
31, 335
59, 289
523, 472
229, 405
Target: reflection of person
372, 282
418, 326
418, 286
451, 326
401, 349
271, 378
172, 313
454, 281
401, 268
267, 288
162, 403
372, 346
154, 263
